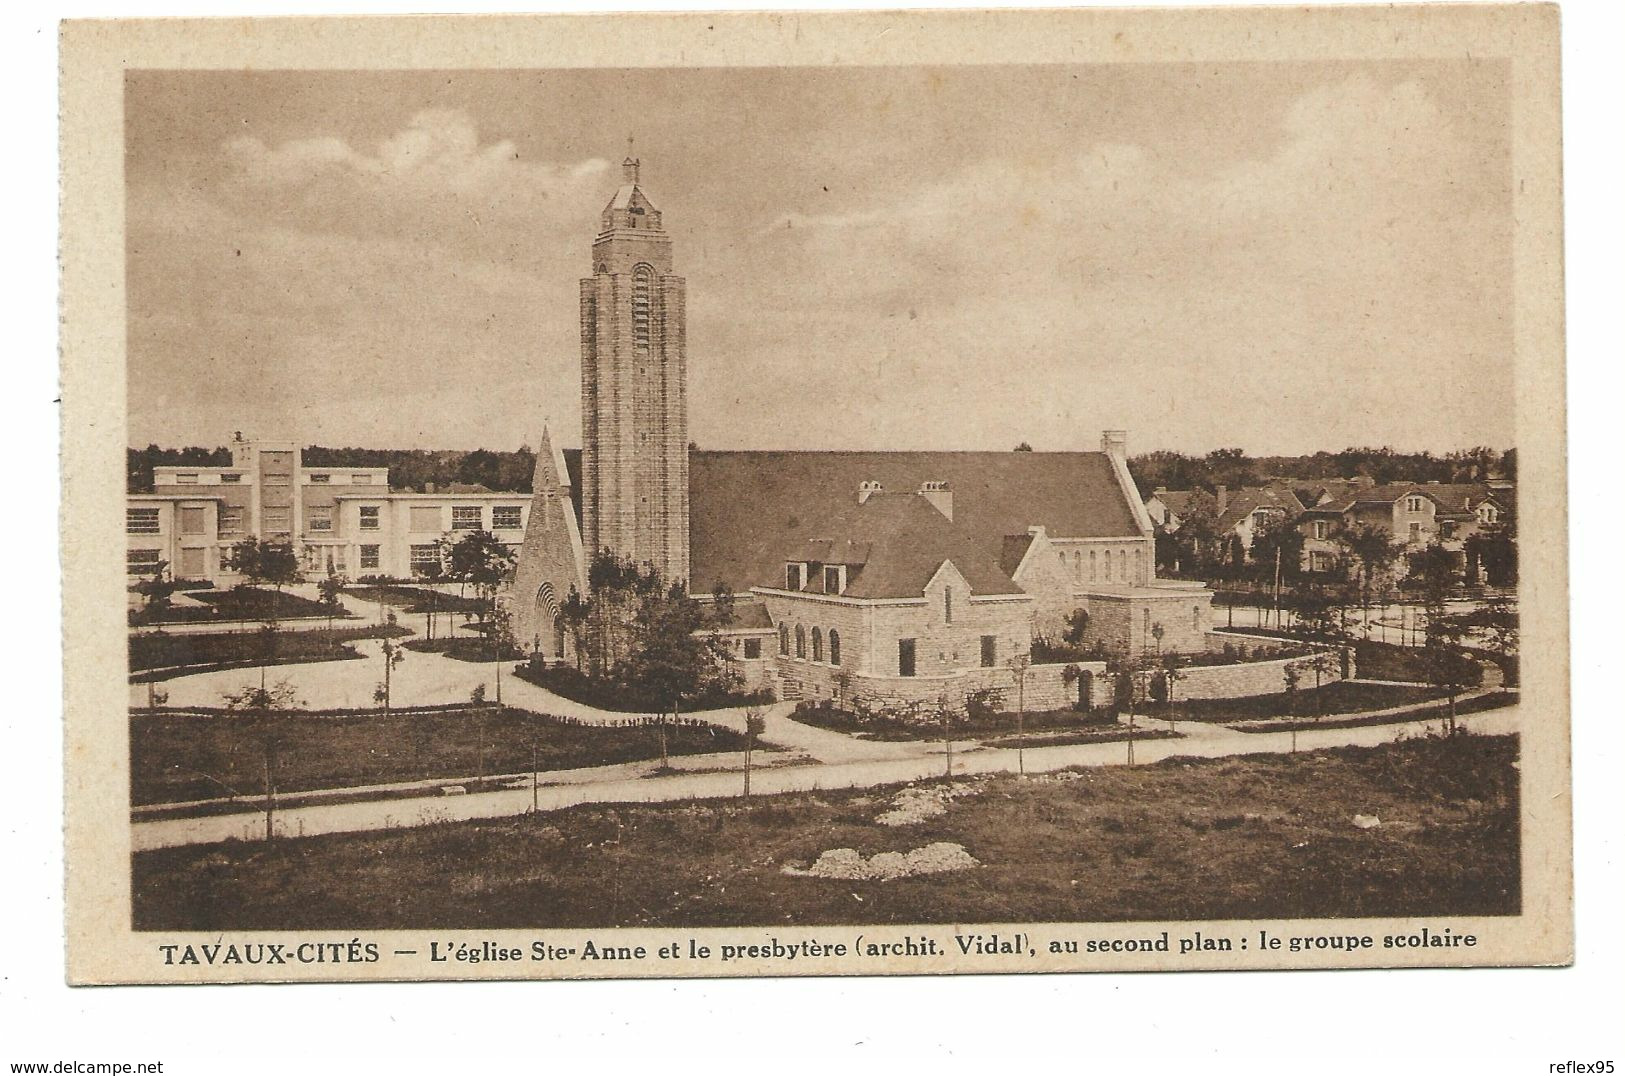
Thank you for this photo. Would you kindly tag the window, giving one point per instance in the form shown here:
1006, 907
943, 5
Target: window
1447, 530
834, 647
361, 480
142, 562
1322, 528
818, 645
753, 648
905, 657
277, 521
784, 639
1487, 513
1260, 518
1092, 567
141, 521
1416, 532
369, 556
425, 559
231, 520
795, 575
1413, 504
801, 641
193, 521
832, 579
1122, 565
465, 517
642, 278
505, 517
369, 517
990, 651
1320, 561
187, 479
425, 518
231, 478
320, 518
1196, 618
947, 605
321, 479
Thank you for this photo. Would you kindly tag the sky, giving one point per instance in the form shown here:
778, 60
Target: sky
1276, 257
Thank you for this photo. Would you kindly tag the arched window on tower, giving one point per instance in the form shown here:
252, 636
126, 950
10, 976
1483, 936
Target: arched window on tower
801, 641
818, 645
834, 647
642, 288
784, 639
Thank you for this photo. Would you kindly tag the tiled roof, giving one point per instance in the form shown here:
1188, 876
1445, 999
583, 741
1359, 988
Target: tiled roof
1244, 502
908, 540
748, 509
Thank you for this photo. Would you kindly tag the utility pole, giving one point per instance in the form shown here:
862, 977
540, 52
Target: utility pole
533, 779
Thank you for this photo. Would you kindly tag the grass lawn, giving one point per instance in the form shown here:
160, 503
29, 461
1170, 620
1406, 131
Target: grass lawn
566, 681
240, 603
169, 752
826, 715
1237, 838
416, 599
1373, 660
1492, 701
1113, 733
473, 648
1337, 697
250, 647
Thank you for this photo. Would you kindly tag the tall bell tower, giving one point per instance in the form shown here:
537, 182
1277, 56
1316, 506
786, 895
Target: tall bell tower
634, 388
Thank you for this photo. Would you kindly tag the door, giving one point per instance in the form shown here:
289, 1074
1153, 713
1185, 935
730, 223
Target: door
192, 564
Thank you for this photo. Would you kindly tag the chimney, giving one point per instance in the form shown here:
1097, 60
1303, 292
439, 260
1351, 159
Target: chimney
1222, 495
940, 496
867, 490
1115, 443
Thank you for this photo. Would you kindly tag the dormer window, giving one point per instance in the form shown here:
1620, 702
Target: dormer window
1487, 513
1413, 504
834, 578
795, 575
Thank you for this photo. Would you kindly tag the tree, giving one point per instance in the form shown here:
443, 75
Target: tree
1019, 663
1292, 674
1077, 627
1448, 663
263, 564
394, 653
755, 725
330, 587
480, 560
263, 701
158, 590
499, 634
1373, 551
1500, 621
1023, 447
674, 657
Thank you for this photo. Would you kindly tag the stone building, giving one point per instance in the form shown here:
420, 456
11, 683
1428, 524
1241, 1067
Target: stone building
897, 575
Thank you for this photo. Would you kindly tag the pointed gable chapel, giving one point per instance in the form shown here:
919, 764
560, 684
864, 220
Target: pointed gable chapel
551, 560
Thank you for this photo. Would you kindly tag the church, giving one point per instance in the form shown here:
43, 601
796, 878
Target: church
893, 577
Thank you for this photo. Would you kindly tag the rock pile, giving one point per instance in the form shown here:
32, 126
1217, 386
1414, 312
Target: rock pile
849, 863
913, 805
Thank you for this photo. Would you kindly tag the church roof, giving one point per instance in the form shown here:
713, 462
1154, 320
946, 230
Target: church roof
748, 509
904, 540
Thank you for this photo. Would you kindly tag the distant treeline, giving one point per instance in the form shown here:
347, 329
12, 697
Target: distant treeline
409, 468
1233, 468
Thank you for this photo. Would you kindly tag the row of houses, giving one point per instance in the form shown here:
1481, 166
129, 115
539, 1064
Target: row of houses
1413, 514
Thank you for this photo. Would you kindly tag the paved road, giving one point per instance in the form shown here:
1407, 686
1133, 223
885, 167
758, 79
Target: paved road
1204, 741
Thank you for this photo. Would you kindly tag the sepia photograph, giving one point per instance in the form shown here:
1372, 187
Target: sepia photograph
1057, 512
